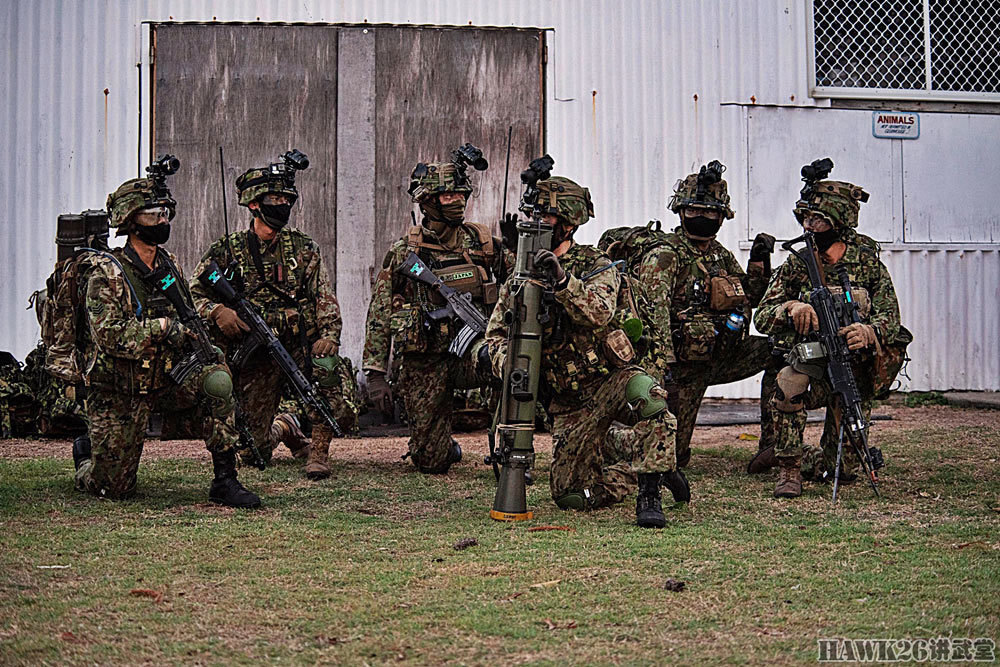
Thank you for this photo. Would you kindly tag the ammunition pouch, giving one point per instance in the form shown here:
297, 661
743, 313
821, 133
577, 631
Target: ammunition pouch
808, 358
407, 328
726, 294
695, 339
618, 347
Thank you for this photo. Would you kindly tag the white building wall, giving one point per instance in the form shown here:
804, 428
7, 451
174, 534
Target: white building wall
639, 93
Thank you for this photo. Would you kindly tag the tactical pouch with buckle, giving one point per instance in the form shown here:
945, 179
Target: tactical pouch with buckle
697, 338
726, 293
406, 326
618, 349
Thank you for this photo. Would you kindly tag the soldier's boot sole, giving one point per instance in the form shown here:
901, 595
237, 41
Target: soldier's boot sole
677, 484
763, 461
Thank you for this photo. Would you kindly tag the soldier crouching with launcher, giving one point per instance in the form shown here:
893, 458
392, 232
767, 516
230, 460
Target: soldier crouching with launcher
588, 369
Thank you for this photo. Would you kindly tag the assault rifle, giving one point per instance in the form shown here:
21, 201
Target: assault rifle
458, 304
261, 335
167, 281
834, 314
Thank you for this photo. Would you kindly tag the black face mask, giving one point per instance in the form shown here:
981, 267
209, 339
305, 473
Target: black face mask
702, 227
826, 239
275, 216
153, 234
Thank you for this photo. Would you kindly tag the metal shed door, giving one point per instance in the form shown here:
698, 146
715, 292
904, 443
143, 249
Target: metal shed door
365, 103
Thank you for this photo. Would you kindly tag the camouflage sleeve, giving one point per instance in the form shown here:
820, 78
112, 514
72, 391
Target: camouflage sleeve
378, 334
113, 326
591, 304
496, 331
771, 317
885, 307
203, 301
328, 320
507, 261
658, 278
755, 283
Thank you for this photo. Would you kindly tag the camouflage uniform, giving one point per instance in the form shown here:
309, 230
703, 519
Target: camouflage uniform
587, 365
132, 341
287, 283
18, 407
688, 337
297, 301
471, 261
127, 359
873, 370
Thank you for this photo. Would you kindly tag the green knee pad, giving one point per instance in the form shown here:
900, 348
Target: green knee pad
571, 501
325, 371
637, 393
218, 386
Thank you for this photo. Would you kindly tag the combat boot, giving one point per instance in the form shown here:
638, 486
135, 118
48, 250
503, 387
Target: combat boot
285, 430
763, 461
648, 510
676, 483
789, 477
81, 450
454, 456
226, 489
318, 464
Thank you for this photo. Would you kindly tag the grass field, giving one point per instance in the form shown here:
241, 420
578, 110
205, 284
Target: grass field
362, 568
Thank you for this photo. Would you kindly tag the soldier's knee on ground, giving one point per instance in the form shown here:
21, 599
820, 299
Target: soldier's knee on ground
791, 387
582, 501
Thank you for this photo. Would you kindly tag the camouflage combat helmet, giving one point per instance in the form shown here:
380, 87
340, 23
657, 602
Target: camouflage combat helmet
836, 201
259, 181
436, 177
705, 189
135, 195
562, 197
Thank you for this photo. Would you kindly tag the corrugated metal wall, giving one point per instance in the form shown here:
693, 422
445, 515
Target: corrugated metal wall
639, 93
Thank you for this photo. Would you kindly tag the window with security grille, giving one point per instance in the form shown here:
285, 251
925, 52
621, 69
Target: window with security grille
906, 49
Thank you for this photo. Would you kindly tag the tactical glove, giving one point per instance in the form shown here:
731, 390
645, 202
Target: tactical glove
804, 317
177, 335
508, 231
229, 322
379, 392
484, 364
547, 262
325, 347
858, 335
763, 246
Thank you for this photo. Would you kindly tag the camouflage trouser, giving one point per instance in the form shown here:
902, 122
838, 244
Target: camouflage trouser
589, 456
118, 431
427, 383
259, 388
731, 363
789, 428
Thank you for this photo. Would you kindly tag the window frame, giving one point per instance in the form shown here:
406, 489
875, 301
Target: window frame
928, 94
